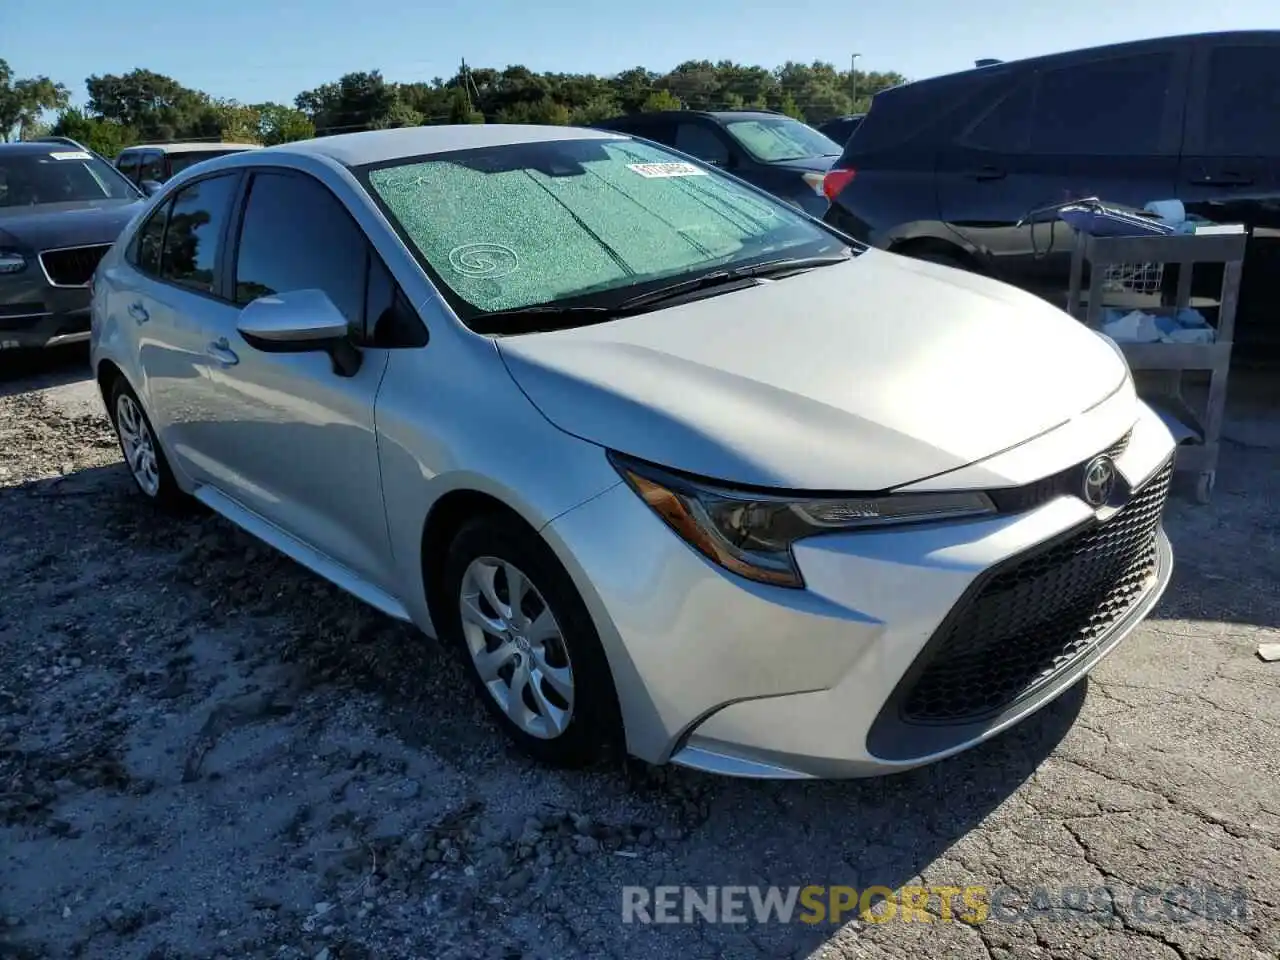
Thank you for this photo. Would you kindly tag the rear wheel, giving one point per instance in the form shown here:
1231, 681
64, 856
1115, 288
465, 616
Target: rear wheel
529, 643
142, 454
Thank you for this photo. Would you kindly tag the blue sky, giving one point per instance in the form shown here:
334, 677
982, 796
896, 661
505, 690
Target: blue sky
254, 50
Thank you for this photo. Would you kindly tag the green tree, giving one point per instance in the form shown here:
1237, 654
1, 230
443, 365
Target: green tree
594, 110
400, 114
103, 136
24, 101
545, 111
156, 106
461, 109
280, 124
661, 100
786, 103
363, 100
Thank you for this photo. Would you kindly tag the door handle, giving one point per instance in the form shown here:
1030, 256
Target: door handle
1225, 179
222, 352
986, 173
139, 313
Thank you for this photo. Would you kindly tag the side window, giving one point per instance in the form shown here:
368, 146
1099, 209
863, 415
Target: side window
127, 163
1112, 107
152, 166
700, 141
197, 218
1005, 125
296, 235
1242, 106
660, 131
144, 251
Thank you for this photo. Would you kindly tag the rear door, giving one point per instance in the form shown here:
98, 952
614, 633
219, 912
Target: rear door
163, 296
1106, 126
1230, 169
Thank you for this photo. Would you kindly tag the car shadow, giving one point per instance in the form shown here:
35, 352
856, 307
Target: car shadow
25, 370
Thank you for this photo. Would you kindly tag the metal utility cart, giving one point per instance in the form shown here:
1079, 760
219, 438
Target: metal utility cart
1127, 272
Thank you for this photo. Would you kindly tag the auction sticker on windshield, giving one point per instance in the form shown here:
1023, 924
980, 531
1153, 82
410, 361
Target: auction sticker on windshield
652, 170
70, 155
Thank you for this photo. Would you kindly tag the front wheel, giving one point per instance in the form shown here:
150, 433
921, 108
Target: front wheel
530, 645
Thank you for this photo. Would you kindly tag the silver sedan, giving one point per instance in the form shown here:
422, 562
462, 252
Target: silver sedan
673, 466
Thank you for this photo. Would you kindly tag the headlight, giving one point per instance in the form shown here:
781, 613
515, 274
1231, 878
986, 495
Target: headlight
11, 261
751, 534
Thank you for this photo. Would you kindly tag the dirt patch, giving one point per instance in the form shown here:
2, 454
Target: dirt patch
207, 752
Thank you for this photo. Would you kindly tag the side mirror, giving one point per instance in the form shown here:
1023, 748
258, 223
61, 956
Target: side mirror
150, 187
300, 321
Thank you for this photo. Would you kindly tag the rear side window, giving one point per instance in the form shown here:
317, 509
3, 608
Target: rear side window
296, 235
1242, 111
698, 140
197, 218
1112, 107
917, 111
1006, 125
144, 252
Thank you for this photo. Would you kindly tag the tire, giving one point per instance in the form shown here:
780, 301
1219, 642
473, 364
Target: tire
143, 456
559, 725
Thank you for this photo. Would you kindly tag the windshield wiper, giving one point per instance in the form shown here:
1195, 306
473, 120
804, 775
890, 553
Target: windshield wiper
499, 321
721, 278
771, 268
567, 315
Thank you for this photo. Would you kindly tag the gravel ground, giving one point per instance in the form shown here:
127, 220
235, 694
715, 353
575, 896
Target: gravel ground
205, 751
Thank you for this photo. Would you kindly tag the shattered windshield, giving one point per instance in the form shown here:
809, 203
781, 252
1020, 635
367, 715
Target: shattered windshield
511, 226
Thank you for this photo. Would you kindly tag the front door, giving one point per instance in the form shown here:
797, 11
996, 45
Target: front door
289, 439
1108, 128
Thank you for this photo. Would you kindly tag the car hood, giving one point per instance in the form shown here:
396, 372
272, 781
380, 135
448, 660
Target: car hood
66, 224
859, 377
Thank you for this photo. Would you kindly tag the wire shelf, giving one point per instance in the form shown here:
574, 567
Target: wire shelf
1142, 278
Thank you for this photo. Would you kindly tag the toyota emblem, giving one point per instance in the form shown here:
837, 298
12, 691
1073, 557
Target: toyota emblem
1099, 481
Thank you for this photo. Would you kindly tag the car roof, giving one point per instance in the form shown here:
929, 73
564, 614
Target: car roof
1110, 49
192, 147
378, 146
35, 146
652, 116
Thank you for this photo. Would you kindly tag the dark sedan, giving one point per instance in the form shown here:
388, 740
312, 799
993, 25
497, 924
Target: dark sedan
769, 150
61, 208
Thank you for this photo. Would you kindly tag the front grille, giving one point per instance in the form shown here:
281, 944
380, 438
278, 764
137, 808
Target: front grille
72, 266
1067, 482
1037, 615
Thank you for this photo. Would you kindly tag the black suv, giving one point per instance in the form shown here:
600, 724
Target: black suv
769, 150
61, 208
952, 168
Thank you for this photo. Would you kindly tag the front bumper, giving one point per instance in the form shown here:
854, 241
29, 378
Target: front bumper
738, 678
35, 314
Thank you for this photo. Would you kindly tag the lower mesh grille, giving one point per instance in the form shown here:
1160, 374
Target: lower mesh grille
1035, 617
